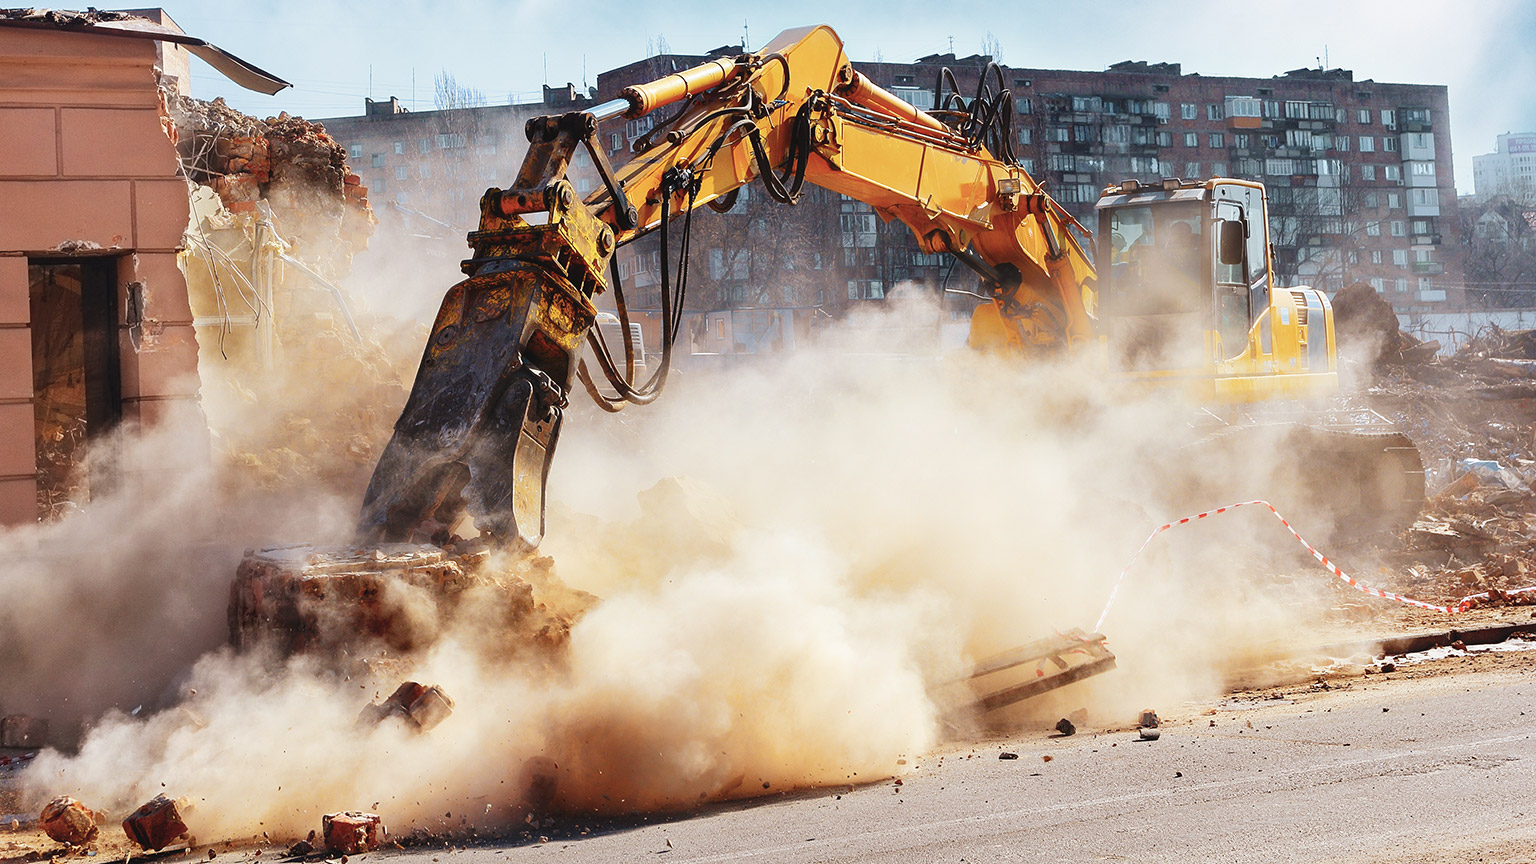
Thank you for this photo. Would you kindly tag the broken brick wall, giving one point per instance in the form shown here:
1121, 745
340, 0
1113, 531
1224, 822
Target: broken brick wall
89, 172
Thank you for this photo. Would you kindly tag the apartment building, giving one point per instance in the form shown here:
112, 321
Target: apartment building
1509, 170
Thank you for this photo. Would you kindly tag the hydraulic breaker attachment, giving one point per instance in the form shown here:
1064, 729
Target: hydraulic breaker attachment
479, 431
480, 428
1029, 670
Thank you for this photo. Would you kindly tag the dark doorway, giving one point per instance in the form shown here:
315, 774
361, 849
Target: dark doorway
76, 387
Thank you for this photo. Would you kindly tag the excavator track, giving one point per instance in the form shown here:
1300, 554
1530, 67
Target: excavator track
1336, 484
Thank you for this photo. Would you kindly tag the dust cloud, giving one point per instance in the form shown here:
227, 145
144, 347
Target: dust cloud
796, 562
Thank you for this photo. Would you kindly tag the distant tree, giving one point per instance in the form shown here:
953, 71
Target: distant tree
1498, 240
991, 47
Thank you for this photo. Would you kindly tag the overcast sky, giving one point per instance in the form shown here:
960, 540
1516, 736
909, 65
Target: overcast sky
336, 52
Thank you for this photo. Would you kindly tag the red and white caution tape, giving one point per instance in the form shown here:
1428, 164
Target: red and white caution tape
1465, 604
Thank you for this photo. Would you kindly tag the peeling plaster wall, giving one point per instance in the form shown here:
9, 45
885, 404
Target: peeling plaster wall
86, 160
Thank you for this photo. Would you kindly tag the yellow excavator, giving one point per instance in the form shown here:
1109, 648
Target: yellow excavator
1182, 295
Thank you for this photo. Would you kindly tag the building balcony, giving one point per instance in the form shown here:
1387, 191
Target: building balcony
1424, 209
1427, 268
1433, 295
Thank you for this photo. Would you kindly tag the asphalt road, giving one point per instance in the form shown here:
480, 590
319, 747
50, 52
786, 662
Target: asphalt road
1389, 770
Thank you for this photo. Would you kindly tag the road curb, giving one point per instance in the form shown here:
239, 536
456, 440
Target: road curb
1410, 643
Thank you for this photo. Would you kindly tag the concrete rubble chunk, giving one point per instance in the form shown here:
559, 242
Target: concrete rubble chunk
419, 705
540, 781
20, 730
68, 821
1148, 719
1065, 727
156, 824
352, 831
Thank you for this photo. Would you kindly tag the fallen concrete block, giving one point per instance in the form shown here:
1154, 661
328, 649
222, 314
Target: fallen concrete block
1065, 727
1148, 719
156, 824
19, 730
419, 705
351, 832
431, 708
68, 821
1149, 733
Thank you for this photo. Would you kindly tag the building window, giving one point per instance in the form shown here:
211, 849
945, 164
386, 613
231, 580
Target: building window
1395, 172
1299, 138
1213, 112
1240, 140
1191, 139
1394, 201
424, 145
1341, 143
450, 141
1280, 167
1084, 133
1421, 169
1117, 134
379, 186
1367, 144
1401, 285
1242, 106
378, 160
355, 151
1024, 137
1378, 283
1399, 228
1059, 133
1389, 144
1216, 140
424, 170
1165, 139
1368, 172
400, 172
1363, 116
1160, 110
1400, 257
1388, 118
1021, 105
399, 148
1373, 229
1189, 111
1375, 256
1219, 169
1371, 201
1191, 169
1086, 104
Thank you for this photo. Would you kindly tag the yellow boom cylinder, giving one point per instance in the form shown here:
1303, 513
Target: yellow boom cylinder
645, 98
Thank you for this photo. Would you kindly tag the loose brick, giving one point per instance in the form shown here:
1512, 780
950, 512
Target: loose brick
156, 824
352, 832
68, 821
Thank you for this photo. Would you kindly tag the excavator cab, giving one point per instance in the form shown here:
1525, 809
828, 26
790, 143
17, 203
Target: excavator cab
1187, 299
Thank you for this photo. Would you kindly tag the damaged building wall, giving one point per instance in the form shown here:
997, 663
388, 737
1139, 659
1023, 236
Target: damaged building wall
93, 196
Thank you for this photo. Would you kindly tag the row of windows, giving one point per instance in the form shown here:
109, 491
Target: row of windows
1303, 139
485, 144
1237, 106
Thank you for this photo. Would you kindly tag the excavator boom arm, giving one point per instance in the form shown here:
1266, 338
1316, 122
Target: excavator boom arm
480, 427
